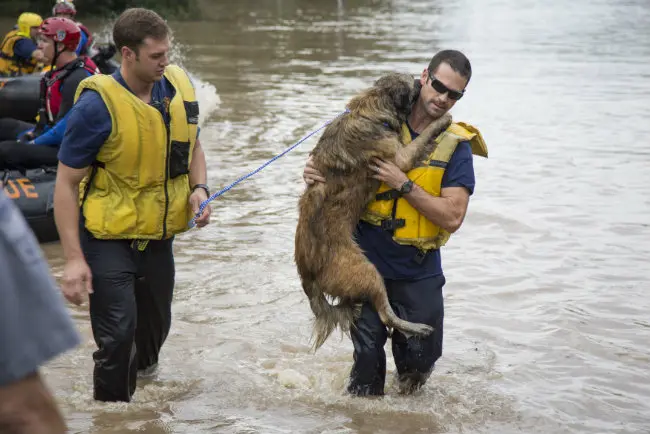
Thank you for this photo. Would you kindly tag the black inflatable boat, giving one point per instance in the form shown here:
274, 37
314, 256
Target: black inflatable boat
33, 193
19, 96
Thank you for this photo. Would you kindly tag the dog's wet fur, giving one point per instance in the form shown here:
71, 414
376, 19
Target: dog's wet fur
329, 261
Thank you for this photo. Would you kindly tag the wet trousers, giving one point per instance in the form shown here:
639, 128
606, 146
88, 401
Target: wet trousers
417, 301
130, 310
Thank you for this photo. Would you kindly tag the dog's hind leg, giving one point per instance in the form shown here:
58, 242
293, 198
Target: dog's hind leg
355, 278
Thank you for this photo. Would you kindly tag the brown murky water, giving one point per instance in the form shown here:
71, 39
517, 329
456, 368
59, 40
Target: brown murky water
547, 324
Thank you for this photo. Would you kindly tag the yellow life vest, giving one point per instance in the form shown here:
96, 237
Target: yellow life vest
139, 185
10, 64
409, 227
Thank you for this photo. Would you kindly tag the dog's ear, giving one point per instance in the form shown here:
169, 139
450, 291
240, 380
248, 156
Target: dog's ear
398, 88
386, 81
401, 92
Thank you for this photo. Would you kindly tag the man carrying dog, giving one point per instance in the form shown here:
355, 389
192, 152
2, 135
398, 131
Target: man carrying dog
403, 229
132, 137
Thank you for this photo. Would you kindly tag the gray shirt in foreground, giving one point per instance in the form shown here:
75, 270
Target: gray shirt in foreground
34, 323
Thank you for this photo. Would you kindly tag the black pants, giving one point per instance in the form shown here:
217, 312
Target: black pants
20, 156
130, 310
417, 301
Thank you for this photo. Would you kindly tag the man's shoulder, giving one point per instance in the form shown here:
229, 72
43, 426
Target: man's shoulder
24, 47
77, 75
462, 157
472, 135
107, 84
174, 70
89, 107
89, 99
100, 79
463, 150
20, 40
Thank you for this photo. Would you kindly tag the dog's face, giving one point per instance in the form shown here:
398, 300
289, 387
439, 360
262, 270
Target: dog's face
402, 90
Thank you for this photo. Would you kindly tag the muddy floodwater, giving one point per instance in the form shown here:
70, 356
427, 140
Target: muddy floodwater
547, 324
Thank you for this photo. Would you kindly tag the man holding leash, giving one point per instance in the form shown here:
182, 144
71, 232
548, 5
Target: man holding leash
403, 229
132, 138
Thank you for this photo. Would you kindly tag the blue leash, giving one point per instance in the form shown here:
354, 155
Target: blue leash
225, 189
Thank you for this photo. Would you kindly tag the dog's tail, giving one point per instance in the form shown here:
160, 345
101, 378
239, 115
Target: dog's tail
329, 316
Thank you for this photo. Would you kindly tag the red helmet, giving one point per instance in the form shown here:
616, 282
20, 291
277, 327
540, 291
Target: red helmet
62, 30
64, 8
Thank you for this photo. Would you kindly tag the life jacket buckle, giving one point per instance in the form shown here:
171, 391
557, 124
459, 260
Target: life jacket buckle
392, 224
388, 195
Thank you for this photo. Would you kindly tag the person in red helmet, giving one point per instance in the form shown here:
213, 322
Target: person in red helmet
65, 9
26, 145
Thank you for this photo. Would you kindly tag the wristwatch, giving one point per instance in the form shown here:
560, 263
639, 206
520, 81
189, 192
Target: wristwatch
406, 187
203, 186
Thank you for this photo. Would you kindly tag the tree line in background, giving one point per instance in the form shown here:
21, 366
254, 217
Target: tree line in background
102, 8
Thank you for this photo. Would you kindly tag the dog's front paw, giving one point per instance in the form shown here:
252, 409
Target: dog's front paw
445, 120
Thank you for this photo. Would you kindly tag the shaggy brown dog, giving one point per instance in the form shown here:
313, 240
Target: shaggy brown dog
328, 259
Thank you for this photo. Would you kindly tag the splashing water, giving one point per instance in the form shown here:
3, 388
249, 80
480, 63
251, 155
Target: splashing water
206, 93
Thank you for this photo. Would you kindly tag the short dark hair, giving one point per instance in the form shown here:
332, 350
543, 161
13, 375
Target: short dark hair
455, 59
134, 25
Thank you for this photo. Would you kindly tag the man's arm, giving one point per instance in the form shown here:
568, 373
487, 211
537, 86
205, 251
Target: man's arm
77, 277
447, 211
87, 128
198, 167
53, 136
199, 175
66, 209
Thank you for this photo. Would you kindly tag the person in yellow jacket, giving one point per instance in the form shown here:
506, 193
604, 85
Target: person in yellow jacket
19, 53
402, 230
131, 176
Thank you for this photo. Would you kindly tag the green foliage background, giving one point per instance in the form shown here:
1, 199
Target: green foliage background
176, 9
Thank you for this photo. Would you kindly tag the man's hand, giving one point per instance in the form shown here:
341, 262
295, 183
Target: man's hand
197, 197
26, 138
311, 174
77, 280
388, 173
38, 55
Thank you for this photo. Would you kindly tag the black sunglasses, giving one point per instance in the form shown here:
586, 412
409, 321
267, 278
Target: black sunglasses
441, 88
